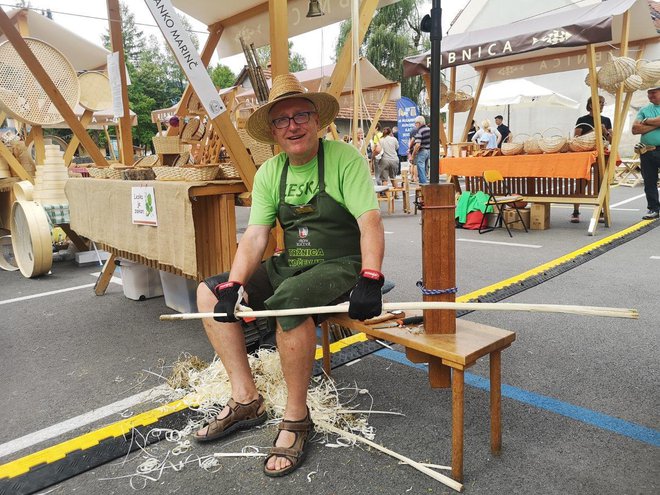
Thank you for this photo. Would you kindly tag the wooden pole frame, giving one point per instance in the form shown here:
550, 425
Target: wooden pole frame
477, 94
116, 42
50, 88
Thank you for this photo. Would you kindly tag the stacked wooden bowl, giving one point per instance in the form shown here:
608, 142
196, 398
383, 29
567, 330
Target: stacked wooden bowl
51, 177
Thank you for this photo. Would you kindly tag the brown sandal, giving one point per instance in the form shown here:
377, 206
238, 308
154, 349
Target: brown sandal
240, 417
296, 453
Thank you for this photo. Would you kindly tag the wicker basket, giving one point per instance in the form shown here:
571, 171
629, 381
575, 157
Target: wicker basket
633, 83
460, 101
190, 128
444, 90
147, 161
509, 149
169, 173
167, 145
531, 145
649, 71
200, 172
552, 143
614, 72
585, 142
228, 172
182, 160
98, 172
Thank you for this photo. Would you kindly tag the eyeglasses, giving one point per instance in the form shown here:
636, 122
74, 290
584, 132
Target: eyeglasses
299, 118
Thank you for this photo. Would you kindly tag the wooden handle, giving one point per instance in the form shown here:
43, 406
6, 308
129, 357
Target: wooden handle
343, 308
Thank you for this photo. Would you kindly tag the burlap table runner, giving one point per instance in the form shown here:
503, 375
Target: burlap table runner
100, 210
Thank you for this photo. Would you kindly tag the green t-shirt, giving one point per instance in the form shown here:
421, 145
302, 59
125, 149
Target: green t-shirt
649, 112
347, 181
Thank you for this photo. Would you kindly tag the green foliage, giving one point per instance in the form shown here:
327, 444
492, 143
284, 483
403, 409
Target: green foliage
222, 76
393, 35
157, 81
296, 60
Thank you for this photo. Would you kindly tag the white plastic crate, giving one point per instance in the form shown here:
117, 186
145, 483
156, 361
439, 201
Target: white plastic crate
180, 292
139, 282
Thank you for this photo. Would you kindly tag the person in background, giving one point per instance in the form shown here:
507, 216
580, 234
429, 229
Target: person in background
402, 158
505, 132
328, 134
388, 145
323, 197
584, 125
647, 124
486, 137
360, 139
422, 147
473, 130
412, 166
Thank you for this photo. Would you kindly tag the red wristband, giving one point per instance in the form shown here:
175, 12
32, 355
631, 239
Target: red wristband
372, 274
227, 285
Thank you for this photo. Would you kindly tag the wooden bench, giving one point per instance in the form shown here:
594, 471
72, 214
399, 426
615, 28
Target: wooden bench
548, 189
458, 351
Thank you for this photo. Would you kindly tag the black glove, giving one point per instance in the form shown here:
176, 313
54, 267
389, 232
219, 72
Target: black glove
367, 297
230, 295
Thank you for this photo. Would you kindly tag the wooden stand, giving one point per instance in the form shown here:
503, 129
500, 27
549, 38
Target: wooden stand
448, 345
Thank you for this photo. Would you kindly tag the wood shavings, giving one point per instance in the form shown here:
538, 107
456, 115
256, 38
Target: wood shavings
355, 438
180, 370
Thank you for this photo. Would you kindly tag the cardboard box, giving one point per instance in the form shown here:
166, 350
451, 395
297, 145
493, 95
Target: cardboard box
139, 281
540, 216
180, 292
511, 216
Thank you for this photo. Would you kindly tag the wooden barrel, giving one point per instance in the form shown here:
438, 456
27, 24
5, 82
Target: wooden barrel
7, 259
33, 248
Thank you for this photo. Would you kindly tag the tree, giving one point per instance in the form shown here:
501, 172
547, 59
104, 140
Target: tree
222, 76
133, 38
296, 60
394, 34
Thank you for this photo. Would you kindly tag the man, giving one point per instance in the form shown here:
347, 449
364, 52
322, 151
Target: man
647, 124
422, 149
322, 194
585, 125
505, 132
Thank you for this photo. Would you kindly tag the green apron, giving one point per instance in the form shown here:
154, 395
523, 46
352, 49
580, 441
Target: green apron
321, 259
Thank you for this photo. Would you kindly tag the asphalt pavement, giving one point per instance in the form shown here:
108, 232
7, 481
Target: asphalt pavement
580, 406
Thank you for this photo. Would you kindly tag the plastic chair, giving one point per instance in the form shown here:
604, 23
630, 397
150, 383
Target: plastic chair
494, 183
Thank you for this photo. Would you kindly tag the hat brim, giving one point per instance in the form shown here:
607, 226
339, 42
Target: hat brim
259, 123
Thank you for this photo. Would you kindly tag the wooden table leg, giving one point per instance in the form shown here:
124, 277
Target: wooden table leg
325, 345
495, 401
457, 394
80, 244
106, 274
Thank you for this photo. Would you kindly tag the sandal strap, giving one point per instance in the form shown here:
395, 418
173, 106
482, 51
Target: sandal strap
296, 426
291, 454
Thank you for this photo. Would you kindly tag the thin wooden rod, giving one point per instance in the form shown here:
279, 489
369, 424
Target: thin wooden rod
343, 308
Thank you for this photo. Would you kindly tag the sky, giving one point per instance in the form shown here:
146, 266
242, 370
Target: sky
317, 47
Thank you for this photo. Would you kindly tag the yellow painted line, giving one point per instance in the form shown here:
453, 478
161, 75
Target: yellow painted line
339, 345
551, 264
114, 430
59, 451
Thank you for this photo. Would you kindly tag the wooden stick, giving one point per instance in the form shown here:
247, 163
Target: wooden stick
343, 308
445, 480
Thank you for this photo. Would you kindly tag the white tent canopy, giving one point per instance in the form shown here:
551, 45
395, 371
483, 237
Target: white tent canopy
522, 93
249, 19
82, 53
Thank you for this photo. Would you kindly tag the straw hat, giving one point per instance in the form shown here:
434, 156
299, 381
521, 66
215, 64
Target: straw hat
286, 87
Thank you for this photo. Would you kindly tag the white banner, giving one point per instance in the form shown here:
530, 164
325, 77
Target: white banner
115, 84
143, 206
177, 37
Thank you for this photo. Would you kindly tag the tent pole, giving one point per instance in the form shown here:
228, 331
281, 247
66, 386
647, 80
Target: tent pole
436, 67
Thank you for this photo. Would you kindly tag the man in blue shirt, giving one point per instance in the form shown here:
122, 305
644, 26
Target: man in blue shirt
648, 125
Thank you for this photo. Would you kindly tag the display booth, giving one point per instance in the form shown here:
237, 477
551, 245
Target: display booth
600, 35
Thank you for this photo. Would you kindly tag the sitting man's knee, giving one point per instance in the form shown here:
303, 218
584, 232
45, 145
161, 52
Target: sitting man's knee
205, 298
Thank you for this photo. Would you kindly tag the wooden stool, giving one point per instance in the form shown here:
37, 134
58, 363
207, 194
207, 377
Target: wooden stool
459, 351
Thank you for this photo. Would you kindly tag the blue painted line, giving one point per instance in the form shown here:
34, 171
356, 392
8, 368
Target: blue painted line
584, 415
